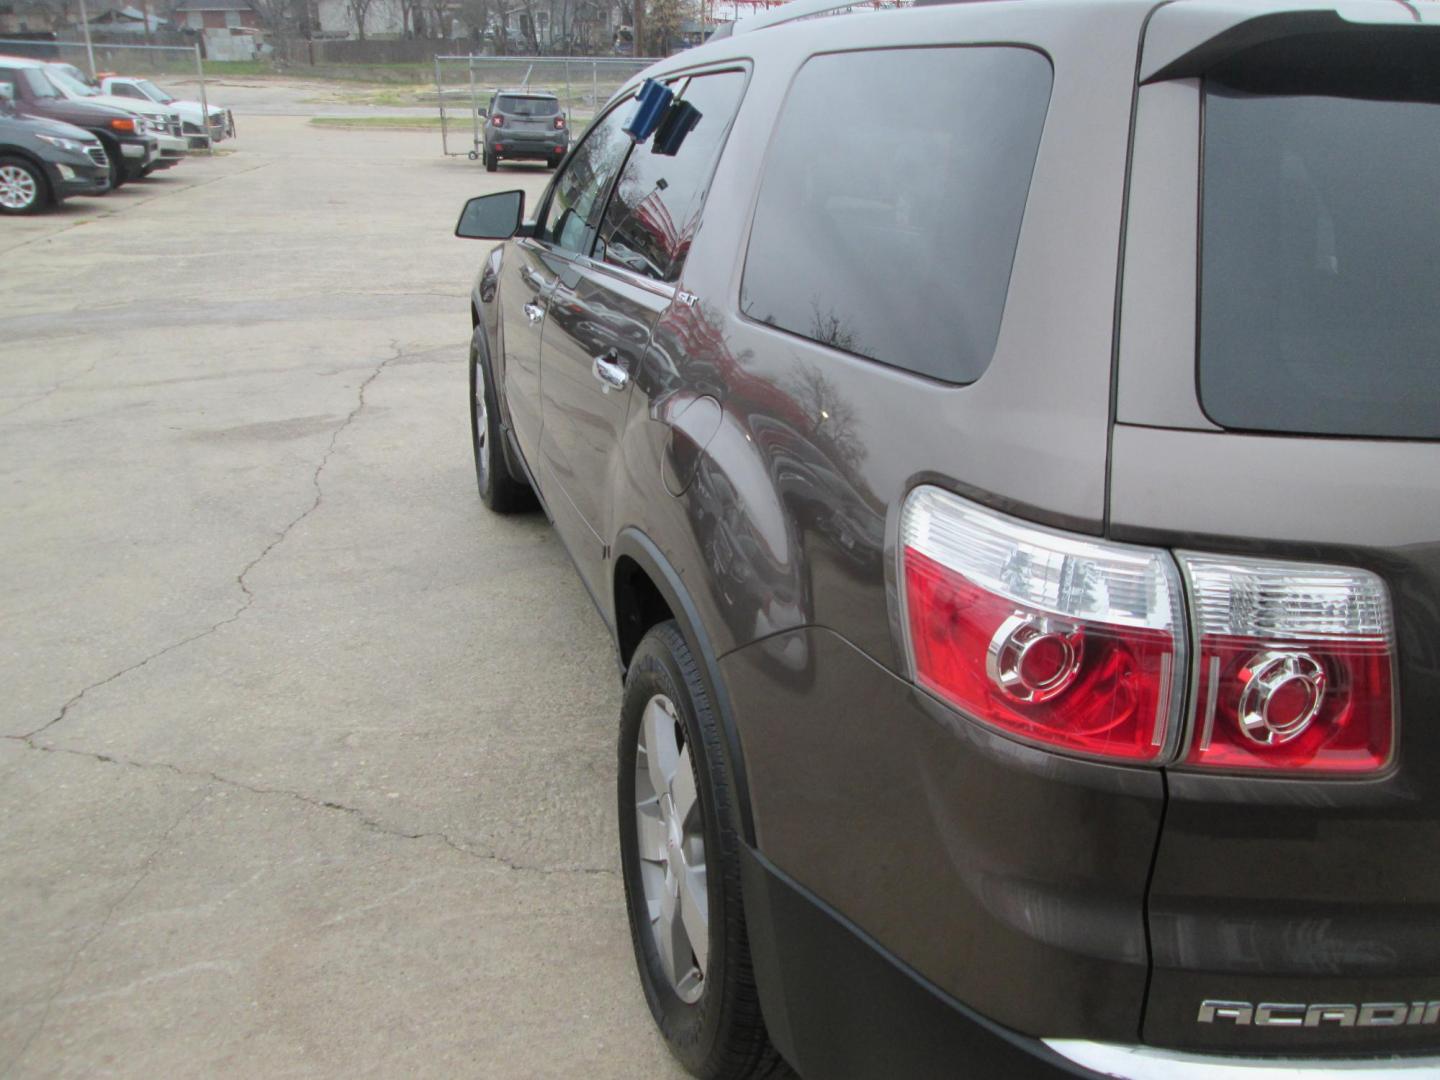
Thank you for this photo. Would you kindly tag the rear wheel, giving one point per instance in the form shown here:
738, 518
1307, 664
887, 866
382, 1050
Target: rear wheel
492, 162
499, 490
23, 189
680, 857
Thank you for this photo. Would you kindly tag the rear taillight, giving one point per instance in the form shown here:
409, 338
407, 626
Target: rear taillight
559, 123
498, 120
1081, 645
1066, 642
1295, 666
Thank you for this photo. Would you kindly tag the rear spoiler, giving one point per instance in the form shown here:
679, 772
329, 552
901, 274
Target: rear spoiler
1185, 40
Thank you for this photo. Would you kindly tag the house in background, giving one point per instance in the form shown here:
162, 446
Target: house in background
383, 18
28, 17
216, 14
228, 29
127, 20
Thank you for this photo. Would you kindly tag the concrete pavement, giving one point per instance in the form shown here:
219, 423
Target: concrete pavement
307, 767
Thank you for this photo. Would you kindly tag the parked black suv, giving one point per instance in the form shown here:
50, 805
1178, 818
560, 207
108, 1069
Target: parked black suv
1014, 500
524, 125
128, 149
43, 162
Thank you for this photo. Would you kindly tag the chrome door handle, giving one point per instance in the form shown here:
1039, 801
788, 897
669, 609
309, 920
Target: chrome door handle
611, 372
534, 312
534, 280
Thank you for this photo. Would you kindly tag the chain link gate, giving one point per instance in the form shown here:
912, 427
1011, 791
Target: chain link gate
463, 85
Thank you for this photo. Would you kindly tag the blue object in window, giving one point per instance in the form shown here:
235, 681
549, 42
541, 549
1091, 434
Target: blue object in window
650, 105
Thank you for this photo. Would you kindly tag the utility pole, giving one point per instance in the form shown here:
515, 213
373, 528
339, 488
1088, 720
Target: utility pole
89, 48
638, 30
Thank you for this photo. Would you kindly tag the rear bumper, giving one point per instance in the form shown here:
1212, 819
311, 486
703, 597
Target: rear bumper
546, 151
1145, 1063
838, 1005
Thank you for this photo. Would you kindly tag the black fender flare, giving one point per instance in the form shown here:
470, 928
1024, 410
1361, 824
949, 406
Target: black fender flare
633, 544
480, 339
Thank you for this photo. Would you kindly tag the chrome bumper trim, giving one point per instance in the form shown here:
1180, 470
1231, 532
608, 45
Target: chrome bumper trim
1147, 1063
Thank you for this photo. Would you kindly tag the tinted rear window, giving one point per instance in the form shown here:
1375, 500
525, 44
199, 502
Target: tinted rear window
527, 106
1318, 300
891, 203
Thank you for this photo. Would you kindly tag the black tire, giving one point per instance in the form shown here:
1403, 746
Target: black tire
491, 161
31, 190
499, 489
722, 1035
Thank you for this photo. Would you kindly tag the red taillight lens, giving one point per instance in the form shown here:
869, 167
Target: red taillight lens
559, 123
498, 120
1296, 667
1070, 643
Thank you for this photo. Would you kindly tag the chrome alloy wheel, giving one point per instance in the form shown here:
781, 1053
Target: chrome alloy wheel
18, 189
671, 837
482, 419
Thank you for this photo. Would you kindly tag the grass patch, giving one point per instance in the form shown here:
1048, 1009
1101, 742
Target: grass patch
221, 68
381, 123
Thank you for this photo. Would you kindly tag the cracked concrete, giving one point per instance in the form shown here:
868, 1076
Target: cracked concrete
306, 760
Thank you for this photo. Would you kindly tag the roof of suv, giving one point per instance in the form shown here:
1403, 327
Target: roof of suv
521, 91
21, 62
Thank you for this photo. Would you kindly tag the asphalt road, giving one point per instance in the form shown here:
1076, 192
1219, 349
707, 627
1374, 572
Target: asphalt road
307, 767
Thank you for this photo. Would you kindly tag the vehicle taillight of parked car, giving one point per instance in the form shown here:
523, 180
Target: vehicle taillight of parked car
1081, 645
498, 120
1066, 642
1295, 668
559, 123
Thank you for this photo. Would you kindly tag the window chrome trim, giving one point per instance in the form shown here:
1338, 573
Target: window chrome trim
1148, 1063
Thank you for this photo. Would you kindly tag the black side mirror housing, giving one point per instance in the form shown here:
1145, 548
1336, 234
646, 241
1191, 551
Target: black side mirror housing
492, 217
483, 112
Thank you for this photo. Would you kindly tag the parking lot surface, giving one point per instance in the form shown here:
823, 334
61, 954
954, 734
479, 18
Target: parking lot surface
308, 760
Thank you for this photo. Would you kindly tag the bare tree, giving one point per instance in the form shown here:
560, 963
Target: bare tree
359, 9
476, 14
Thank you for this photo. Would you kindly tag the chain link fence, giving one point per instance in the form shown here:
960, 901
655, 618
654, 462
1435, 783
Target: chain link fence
122, 59
97, 58
463, 85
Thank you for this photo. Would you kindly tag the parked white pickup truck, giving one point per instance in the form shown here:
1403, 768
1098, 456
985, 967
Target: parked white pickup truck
220, 125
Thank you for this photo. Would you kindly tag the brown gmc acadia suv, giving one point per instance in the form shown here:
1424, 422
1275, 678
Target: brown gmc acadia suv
1002, 440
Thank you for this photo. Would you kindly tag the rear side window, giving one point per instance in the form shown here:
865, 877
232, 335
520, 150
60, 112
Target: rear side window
891, 203
1318, 294
653, 214
513, 105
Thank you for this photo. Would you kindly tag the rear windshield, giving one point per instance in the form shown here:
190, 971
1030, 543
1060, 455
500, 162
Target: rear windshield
527, 106
1320, 298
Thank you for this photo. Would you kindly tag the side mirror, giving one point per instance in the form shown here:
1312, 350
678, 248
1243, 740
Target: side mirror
483, 113
7, 96
492, 217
